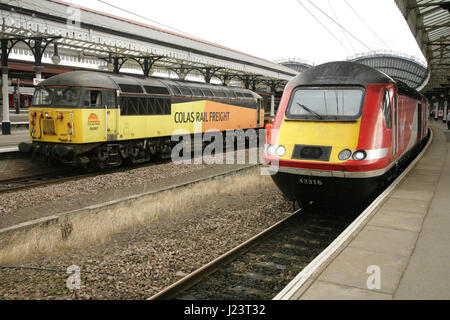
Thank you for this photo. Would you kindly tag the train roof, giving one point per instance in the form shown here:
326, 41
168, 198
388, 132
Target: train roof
349, 73
341, 73
135, 84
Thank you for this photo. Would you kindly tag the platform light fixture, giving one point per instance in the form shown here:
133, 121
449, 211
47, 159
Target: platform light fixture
56, 59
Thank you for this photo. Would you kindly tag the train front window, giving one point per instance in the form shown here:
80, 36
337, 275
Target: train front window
43, 96
66, 97
326, 104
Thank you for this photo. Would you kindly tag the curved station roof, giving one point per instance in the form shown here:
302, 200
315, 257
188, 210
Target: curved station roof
295, 64
429, 21
398, 67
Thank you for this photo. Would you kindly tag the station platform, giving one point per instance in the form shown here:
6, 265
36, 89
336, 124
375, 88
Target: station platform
10, 143
19, 132
400, 250
14, 117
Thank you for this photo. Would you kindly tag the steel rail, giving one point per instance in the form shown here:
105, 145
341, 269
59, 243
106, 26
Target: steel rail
201, 273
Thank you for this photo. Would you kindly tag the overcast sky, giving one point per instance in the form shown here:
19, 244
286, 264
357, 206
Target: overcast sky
279, 29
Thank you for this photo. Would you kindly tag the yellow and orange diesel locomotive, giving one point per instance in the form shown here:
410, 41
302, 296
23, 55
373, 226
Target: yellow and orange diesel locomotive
99, 119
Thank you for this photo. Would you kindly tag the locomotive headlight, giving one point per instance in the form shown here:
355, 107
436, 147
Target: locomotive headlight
359, 155
46, 114
281, 151
271, 150
345, 155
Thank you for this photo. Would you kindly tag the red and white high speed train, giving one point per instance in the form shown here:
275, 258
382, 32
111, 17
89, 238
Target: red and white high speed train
342, 131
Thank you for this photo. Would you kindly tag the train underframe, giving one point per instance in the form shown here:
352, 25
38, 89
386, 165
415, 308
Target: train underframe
103, 155
115, 154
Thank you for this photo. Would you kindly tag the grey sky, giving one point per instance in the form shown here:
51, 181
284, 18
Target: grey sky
279, 29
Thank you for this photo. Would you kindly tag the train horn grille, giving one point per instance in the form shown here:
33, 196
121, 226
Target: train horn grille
318, 153
48, 126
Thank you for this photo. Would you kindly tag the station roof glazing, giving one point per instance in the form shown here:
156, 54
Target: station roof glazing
402, 68
429, 21
96, 34
296, 64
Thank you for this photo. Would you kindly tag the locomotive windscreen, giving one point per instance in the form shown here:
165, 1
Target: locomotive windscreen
57, 97
326, 104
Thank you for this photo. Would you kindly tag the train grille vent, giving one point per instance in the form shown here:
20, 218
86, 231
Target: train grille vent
318, 153
48, 126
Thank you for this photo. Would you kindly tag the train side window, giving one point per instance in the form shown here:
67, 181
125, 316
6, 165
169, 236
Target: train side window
387, 110
135, 106
159, 106
175, 90
186, 91
197, 92
109, 98
93, 99
208, 93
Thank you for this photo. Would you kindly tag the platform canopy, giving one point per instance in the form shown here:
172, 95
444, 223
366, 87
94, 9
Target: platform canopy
296, 64
396, 65
103, 40
429, 21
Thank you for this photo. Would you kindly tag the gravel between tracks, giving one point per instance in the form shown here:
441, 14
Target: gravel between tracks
87, 186
154, 255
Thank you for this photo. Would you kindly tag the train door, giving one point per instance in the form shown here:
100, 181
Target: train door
111, 114
419, 122
258, 112
395, 131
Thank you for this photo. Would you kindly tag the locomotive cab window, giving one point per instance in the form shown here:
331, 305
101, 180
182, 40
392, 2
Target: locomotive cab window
326, 104
43, 96
66, 97
93, 99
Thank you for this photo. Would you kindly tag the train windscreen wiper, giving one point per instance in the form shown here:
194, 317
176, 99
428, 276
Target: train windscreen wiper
310, 111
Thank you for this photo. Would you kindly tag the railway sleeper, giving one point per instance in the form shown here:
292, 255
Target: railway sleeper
249, 292
254, 276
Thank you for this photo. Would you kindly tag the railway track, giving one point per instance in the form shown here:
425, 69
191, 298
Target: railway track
11, 154
261, 267
37, 180
58, 176
63, 174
